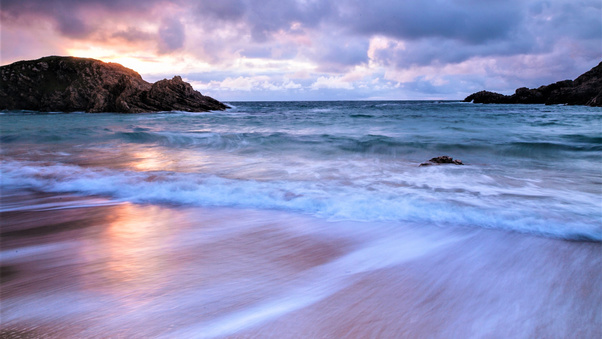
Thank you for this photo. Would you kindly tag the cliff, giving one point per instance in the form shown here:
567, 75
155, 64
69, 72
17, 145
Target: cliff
585, 90
69, 84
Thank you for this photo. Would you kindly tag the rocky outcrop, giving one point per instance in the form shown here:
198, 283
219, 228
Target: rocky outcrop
444, 159
585, 90
68, 84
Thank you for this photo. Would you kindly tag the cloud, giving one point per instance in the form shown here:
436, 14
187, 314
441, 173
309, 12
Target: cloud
133, 34
240, 83
338, 53
247, 84
263, 18
65, 17
471, 21
377, 48
171, 35
539, 28
73, 18
225, 10
331, 83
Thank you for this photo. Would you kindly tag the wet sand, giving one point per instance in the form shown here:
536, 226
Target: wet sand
88, 267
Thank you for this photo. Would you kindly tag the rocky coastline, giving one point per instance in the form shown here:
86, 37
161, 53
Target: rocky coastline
67, 84
584, 90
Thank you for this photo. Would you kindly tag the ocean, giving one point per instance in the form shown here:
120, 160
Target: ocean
303, 218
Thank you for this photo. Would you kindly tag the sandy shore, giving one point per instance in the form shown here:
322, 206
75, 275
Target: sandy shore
88, 267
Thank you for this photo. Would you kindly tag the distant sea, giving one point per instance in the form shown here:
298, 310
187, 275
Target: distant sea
234, 223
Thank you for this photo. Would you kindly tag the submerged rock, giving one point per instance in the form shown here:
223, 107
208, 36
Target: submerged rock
585, 90
69, 84
444, 159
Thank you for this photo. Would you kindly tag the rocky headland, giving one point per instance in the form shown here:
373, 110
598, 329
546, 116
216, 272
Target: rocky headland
67, 84
585, 90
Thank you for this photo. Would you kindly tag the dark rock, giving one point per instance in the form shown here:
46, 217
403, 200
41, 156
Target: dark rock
77, 84
444, 159
585, 90
486, 97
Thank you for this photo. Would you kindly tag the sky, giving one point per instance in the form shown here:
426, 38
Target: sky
318, 50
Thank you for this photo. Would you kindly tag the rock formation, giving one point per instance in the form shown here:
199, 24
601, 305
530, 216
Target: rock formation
585, 90
444, 159
69, 84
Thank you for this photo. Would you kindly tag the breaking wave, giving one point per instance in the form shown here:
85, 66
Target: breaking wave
433, 198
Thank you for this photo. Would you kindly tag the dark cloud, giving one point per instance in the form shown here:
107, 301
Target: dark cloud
171, 35
72, 26
337, 54
470, 21
434, 31
64, 14
539, 28
225, 10
19, 7
443, 51
268, 16
578, 19
262, 18
282, 51
68, 14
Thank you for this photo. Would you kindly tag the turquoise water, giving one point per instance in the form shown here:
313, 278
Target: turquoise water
528, 168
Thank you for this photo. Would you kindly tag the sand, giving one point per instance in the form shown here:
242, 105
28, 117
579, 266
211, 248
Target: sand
76, 267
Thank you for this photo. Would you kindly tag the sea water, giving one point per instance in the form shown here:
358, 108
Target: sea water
303, 219
527, 168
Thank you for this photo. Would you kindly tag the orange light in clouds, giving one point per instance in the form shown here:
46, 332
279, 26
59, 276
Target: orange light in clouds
109, 55
149, 64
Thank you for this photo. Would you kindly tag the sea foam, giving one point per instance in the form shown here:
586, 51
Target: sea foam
438, 195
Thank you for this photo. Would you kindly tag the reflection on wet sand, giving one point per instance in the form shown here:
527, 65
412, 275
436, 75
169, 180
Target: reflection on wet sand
142, 271
148, 159
129, 253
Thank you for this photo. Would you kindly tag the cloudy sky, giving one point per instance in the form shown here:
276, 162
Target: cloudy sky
319, 50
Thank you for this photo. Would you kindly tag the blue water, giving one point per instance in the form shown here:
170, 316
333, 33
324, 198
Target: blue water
528, 168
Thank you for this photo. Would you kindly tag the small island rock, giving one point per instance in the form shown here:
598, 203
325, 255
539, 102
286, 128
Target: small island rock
444, 159
68, 84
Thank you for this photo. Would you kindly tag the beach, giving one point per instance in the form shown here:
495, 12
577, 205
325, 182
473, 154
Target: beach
138, 271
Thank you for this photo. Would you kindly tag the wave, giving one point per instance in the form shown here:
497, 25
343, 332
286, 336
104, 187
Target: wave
586, 139
546, 149
432, 198
6, 138
321, 143
331, 143
339, 143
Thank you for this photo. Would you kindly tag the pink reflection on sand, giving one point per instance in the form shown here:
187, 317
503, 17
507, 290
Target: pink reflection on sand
131, 254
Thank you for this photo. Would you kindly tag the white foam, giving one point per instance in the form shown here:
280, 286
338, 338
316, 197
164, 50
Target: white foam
456, 196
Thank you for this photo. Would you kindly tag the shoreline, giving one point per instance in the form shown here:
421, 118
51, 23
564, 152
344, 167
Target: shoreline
162, 271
